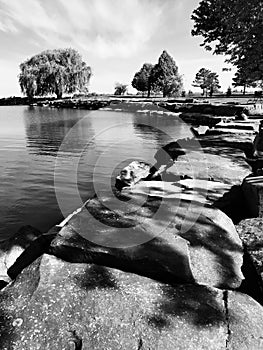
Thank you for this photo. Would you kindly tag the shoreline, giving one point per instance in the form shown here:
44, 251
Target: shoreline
208, 268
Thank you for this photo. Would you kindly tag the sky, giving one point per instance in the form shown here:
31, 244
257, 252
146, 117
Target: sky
114, 37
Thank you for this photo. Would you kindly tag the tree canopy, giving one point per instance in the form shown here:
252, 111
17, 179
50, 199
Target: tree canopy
141, 80
207, 81
242, 78
165, 76
234, 28
54, 71
120, 89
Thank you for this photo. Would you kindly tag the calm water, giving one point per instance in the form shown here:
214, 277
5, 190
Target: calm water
37, 144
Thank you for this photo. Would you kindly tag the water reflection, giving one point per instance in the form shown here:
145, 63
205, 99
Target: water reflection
46, 129
162, 129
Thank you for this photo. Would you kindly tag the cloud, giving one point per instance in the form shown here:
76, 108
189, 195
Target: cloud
109, 28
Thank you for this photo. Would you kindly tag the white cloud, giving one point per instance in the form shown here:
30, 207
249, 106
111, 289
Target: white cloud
110, 28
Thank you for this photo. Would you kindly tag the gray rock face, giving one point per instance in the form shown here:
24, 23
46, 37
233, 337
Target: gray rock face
170, 238
244, 323
131, 174
251, 233
11, 249
57, 305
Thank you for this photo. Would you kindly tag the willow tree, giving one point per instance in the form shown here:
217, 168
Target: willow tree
54, 72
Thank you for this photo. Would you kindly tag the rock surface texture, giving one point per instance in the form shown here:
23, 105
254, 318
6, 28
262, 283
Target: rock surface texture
57, 305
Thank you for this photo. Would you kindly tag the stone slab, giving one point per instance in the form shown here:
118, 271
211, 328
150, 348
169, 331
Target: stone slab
57, 305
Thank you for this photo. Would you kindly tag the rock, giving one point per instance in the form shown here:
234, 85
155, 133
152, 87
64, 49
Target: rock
11, 249
251, 233
217, 157
254, 109
232, 141
153, 233
224, 165
205, 108
237, 126
79, 103
203, 119
57, 305
252, 188
131, 174
244, 322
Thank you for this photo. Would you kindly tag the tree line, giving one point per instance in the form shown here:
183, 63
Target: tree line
62, 71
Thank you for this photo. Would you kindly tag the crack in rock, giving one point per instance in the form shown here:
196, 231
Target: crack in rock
225, 299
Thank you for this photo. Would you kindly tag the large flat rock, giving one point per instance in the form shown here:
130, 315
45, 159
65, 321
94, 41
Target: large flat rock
157, 233
224, 165
57, 305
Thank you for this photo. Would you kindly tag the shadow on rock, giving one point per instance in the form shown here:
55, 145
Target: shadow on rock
96, 276
233, 203
199, 306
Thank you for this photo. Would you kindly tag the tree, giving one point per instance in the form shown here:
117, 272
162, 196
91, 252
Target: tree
120, 89
234, 28
165, 76
207, 81
141, 80
54, 71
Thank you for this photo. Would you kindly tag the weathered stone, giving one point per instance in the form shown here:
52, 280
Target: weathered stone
225, 165
131, 174
254, 109
57, 305
232, 141
203, 119
205, 108
237, 126
11, 249
159, 234
79, 103
252, 188
245, 319
251, 233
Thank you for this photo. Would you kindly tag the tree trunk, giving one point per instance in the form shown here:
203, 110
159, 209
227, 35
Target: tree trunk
59, 94
149, 92
244, 89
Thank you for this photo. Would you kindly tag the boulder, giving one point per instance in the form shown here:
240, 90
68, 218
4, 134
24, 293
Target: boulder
244, 322
251, 233
131, 174
155, 233
57, 305
11, 249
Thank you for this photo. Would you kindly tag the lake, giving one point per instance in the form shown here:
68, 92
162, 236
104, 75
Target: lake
48, 153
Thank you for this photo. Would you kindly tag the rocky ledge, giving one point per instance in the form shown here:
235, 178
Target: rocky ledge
166, 269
